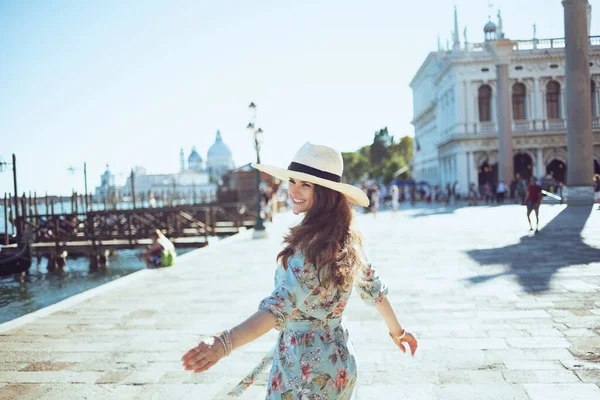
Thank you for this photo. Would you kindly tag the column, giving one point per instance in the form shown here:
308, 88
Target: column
579, 110
502, 51
454, 168
540, 168
461, 172
472, 175
535, 112
442, 170
466, 86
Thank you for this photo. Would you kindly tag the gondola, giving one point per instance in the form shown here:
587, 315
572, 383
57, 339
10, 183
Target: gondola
18, 262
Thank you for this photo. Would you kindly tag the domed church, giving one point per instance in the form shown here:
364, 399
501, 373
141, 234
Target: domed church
219, 159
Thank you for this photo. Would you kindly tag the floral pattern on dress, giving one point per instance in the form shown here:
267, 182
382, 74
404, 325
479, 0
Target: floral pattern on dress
313, 358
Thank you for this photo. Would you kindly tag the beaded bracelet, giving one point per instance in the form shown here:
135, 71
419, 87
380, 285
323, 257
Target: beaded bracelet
223, 343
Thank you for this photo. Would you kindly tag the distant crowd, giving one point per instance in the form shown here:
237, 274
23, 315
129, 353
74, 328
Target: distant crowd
389, 196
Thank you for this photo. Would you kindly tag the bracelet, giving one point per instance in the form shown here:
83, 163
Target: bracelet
399, 337
223, 343
227, 333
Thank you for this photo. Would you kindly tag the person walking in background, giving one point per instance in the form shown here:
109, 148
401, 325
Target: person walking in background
395, 193
596, 189
487, 192
375, 200
501, 191
322, 259
456, 192
521, 189
473, 195
533, 201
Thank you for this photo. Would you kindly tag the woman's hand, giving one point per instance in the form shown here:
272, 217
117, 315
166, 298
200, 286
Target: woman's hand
408, 338
203, 356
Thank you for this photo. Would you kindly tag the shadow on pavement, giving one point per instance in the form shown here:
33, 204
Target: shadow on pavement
536, 258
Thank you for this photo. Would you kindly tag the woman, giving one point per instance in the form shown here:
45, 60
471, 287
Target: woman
322, 258
533, 199
395, 197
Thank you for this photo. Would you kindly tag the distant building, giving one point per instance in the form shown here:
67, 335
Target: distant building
455, 110
107, 191
219, 159
196, 180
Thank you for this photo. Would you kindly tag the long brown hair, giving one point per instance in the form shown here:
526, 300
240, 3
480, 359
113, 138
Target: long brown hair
327, 239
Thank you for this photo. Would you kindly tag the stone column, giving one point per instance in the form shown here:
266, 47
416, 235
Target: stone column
461, 172
471, 176
537, 104
466, 88
442, 169
540, 168
501, 51
579, 110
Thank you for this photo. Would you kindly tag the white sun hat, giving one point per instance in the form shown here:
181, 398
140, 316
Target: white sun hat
320, 165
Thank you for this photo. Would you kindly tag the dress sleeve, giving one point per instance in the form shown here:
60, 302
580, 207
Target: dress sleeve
293, 286
370, 287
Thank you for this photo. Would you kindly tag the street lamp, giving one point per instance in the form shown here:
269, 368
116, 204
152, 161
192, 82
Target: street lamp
258, 136
72, 170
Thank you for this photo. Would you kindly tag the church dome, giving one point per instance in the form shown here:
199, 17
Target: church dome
489, 27
194, 157
219, 149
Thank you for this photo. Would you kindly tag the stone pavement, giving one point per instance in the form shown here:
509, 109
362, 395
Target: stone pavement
500, 314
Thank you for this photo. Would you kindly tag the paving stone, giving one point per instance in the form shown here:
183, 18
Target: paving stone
534, 365
547, 376
589, 375
470, 377
562, 391
538, 342
496, 391
520, 376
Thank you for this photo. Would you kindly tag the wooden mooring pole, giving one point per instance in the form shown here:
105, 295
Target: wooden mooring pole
5, 220
16, 212
86, 188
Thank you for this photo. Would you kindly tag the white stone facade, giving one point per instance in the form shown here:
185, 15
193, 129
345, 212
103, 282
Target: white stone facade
454, 139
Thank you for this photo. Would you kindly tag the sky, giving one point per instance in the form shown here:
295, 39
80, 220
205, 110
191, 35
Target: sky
129, 84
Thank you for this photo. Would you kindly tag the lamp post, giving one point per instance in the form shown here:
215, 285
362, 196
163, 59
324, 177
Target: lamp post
72, 170
257, 135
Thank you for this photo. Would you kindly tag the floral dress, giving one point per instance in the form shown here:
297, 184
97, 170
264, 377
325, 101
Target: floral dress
313, 358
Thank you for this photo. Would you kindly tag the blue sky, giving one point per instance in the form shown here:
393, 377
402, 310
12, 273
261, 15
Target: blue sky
130, 83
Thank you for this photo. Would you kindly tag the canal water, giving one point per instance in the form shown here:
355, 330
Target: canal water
22, 295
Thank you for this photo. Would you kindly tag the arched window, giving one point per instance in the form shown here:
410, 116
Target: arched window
518, 101
553, 100
594, 99
485, 99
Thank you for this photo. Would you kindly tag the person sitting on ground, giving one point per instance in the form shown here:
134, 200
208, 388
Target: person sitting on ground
533, 201
161, 253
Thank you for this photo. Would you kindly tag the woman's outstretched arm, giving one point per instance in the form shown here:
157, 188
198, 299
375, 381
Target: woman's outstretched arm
398, 334
210, 351
251, 329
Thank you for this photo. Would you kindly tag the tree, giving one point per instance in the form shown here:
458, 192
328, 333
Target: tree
382, 159
380, 152
356, 165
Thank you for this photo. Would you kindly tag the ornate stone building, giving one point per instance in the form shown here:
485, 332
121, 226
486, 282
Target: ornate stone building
454, 105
